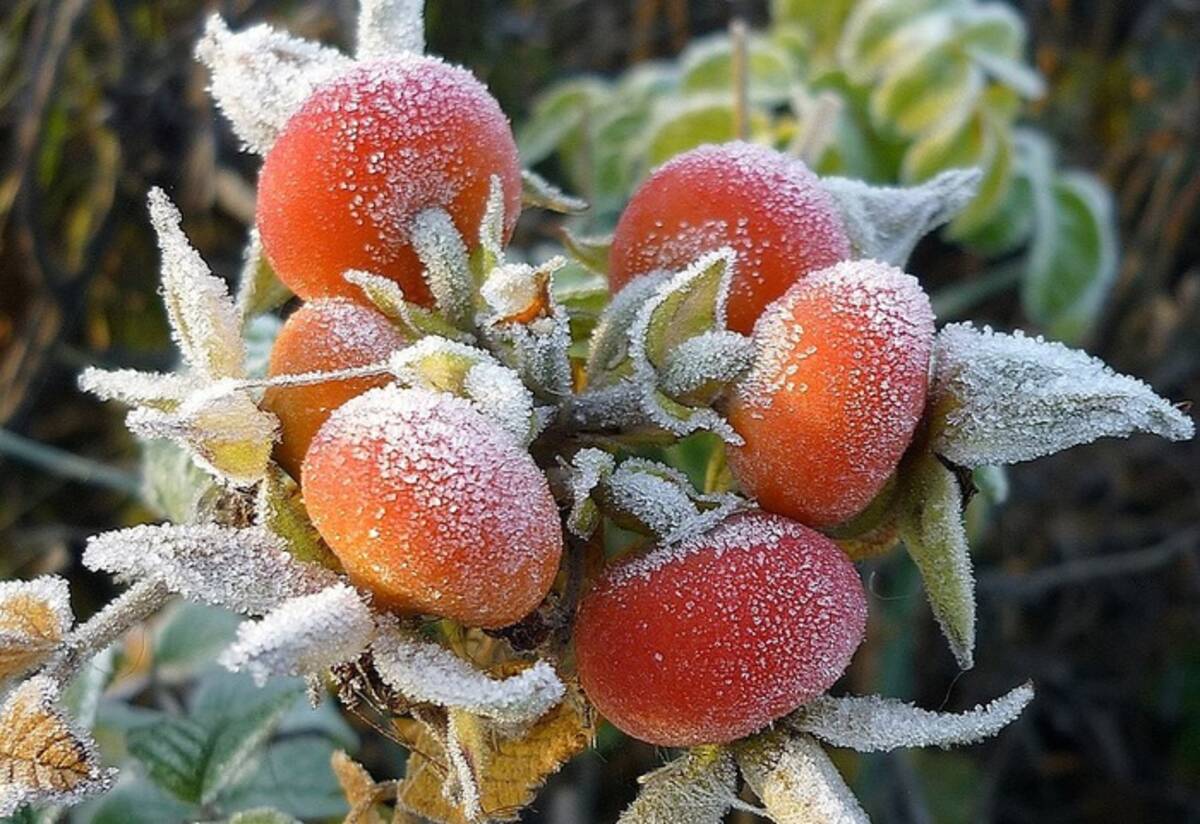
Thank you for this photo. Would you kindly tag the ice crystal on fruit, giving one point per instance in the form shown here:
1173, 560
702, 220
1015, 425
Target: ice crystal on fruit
303, 635
1004, 398
248, 570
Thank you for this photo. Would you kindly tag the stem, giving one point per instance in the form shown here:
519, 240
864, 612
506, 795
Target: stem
136, 604
67, 465
741, 79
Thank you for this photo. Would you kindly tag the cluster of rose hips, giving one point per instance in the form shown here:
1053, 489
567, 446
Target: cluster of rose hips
436, 510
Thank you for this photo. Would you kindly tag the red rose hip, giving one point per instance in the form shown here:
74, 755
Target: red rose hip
713, 639
765, 205
365, 154
433, 508
835, 393
323, 336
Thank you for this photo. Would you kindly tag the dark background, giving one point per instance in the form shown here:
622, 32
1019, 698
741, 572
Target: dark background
1089, 578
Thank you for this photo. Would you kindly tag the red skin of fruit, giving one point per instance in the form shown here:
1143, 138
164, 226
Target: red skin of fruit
367, 152
323, 336
433, 508
710, 641
835, 394
765, 205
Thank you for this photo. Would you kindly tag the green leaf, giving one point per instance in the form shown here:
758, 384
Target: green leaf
707, 66
693, 303
136, 802
1074, 256
172, 484
997, 180
954, 144
591, 252
707, 118
174, 752
294, 777
923, 89
259, 288
931, 526
190, 637
874, 34
281, 510
540, 193
262, 815
556, 113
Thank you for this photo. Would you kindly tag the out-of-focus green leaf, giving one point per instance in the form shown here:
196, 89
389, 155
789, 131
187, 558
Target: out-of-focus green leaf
135, 802
924, 88
698, 120
294, 777
556, 114
707, 66
189, 638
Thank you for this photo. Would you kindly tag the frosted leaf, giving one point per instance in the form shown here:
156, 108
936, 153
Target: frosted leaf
279, 507
540, 193
698, 787
465, 371
390, 27
932, 528
663, 499
690, 304
259, 288
885, 222
796, 781
609, 350
35, 617
204, 321
261, 77
518, 292
592, 252
44, 757
699, 368
447, 266
412, 320
303, 635
588, 468
162, 390
491, 227
464, 788
1004, 398
425, 672
247, 570
875, 724
227, 434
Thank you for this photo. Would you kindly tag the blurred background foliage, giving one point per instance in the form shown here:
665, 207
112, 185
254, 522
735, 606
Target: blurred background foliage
1089, 576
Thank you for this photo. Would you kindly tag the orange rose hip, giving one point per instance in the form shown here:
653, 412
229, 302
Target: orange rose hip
711, 640
765, 205
433, 508
323, 336
365, 154
835, 393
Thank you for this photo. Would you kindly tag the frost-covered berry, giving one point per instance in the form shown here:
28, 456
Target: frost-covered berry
765, 205
710, 640
369, 151
432, 507
835, 392
323, 336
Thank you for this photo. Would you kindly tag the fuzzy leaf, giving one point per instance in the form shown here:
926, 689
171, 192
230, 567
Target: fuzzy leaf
491, 228
1004, 398
540, 193
875, 724
413, 321
609, 357
796, 781
303, 635
884, 223
358, 787
226, 432
429, 673
387, 28
204, 321
44, 758
159, 390
35, 617
701, 367
447, 265
589, 467
507, 767
261, 76
280, 508
698, 787
931, 526
259, 288
247, 570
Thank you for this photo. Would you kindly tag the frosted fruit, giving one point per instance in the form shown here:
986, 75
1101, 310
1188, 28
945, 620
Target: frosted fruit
433, 508
365, 154
767, 206
710, 640
835, 393
323, 336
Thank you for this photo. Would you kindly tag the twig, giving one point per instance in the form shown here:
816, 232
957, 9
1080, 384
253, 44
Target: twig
741, 79
66, 464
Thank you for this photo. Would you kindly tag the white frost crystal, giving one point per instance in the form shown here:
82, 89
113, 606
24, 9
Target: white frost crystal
875, 724
885, 222
1004, 398
390, 27
164, 390
698, 787
797, 782
261, 77
204, 320
303, 635
426, 672
247, 570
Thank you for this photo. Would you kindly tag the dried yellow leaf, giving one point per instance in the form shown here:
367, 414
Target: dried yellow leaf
361, 791
34, 619
43, 758
509, 766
